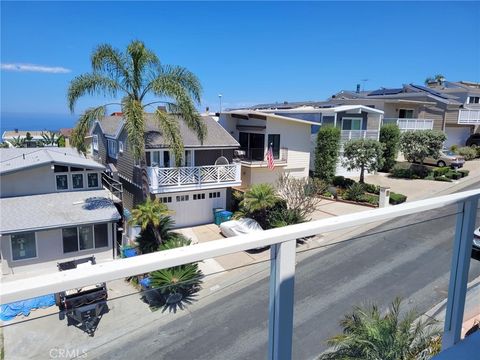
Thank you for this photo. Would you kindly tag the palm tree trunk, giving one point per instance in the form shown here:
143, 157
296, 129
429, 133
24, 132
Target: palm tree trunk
157, 235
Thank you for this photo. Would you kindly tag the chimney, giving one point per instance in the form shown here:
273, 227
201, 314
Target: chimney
358, 88
116, 113
16, 131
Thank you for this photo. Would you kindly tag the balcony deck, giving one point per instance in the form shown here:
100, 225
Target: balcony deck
410, 124
165, 180
359, 134
469, 117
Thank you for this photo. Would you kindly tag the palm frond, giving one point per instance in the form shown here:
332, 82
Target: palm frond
91, 84
83, 126
171, 134
188, 80
110, 61
141, 60
135, 126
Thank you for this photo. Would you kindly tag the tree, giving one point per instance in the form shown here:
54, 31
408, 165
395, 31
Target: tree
439, 79
148, 215
18, 142
147, 240
258, 199
390, 138
397, 335
363, 154
300, 195
417, 145
51, 138
134, 75
326, 152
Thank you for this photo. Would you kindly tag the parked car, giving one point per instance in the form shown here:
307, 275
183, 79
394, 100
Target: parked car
476, 245
239, 227
446, 158
473, 139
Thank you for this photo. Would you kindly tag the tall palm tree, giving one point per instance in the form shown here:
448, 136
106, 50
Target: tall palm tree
133, 75
370, 336
259, 198
149, 216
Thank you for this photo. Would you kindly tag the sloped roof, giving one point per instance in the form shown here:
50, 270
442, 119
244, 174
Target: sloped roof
56, 210
36, 134
15, 159
217, 136
271, 115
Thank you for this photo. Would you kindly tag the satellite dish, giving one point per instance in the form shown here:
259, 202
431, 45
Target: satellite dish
222, 160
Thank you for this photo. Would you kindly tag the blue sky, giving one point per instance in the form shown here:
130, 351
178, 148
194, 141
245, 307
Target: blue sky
249, 52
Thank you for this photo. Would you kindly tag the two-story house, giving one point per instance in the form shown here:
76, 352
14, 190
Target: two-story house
53, 209
190, 191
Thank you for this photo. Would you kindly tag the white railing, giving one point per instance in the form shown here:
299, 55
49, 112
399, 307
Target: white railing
469, 117
193, 176
282, 273
411, 124
359, 134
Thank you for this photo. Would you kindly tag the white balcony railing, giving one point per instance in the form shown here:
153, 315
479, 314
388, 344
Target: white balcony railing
193, 177
359, 134
410, 124
282, 265
469, 117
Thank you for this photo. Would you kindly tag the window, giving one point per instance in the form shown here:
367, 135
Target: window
198, 196
60, 168
24, 246
85, 237
253, 144
76, 169
92, 180
474, 100
61, 182
95, 142
166, 199
274, 142
160, 158
112, 148
120, 146
351, 124
188, 158
77, 181
183, 197
101, 235
214, 194
405, 114
70, 239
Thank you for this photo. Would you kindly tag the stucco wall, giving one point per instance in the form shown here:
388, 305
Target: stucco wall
39, 180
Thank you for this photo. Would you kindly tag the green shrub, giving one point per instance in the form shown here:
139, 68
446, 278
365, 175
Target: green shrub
326, 152
371, 188
342, 182
442, 178
419, 171
390, 137
464, 172
454, 175
397, 198
467, 152
454, 148
477, 149
355, 192
441, 171
369, 198
284, 217
400, 171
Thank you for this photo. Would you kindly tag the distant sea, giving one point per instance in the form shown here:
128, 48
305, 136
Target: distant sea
34, 121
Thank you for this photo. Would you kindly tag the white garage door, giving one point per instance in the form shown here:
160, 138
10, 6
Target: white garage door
457, 135
195, 208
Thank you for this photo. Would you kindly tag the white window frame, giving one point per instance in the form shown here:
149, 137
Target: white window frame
184, 160
95, 142
98, 180
120, 146
112, 148
72, 173
469, 100
36, 247
161, 163
94, 239
352, 118
55, 174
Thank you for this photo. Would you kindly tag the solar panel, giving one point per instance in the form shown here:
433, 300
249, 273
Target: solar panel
385, 92
429, 90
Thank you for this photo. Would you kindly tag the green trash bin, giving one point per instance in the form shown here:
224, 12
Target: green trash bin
216, 216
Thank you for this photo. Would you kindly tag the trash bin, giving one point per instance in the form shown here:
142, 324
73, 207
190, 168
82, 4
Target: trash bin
222, 216
129, 252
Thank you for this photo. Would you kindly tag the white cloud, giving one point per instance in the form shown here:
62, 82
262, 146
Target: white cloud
35, 68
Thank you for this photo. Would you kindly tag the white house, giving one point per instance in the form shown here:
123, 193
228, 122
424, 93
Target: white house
53, 209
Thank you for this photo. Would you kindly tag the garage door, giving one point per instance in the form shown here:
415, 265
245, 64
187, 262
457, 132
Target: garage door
195, 208
457, 135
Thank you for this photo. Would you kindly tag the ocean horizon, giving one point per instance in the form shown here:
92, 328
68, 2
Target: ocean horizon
24, 121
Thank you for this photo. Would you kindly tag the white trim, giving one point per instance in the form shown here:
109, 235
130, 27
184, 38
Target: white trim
95, 142
55, 174
120, 146
110, 153
11, 247
352, 118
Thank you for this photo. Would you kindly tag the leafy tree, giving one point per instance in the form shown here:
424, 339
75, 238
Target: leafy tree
149, 216
390, 138
326, 152
135, 74
363, 154
417, 145
257, 200
397, 335
28, 136
51, 138
439, 79
18, 141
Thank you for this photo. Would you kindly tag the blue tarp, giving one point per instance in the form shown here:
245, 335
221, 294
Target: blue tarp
10, 311
145, 282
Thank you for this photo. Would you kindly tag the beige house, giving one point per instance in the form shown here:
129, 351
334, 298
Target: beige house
53, 209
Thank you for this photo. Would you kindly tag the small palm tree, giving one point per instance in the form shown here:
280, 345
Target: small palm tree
259, 198
18, 142
134, 75
149, 216
370, 336
51, 138
147, 240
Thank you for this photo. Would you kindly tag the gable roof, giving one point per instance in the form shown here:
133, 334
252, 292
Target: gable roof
258, 114
217, 136
16, 159
35, 134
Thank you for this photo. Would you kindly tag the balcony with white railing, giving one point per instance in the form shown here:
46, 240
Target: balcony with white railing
359, 134
164, 180
469, 116
410, 124
284, 306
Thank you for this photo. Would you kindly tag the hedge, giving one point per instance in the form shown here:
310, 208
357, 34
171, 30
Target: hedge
397, 198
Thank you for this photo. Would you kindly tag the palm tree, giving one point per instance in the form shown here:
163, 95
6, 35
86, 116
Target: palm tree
259, 198
370, 336
439, 79
51, 138
18, 142
147, 240
149, 216
135, 74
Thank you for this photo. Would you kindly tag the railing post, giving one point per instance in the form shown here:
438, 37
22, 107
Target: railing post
282, 275
218, 173
457, 289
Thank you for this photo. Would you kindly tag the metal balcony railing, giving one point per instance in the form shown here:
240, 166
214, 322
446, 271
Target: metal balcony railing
282, 264
258, 155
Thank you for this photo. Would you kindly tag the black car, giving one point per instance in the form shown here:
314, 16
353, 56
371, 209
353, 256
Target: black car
474, 139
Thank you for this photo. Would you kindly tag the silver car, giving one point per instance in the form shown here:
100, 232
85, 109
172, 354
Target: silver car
446, 158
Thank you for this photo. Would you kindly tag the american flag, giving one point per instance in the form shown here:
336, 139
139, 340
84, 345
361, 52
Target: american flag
270, 161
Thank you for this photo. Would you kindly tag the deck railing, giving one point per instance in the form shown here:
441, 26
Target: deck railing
410, 124
282, 264
259, 155
469, 117
359, 134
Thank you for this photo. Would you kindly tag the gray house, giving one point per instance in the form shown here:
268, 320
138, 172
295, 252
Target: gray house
190, 191
53, 209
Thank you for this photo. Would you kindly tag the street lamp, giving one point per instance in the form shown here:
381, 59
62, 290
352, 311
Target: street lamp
220, 99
